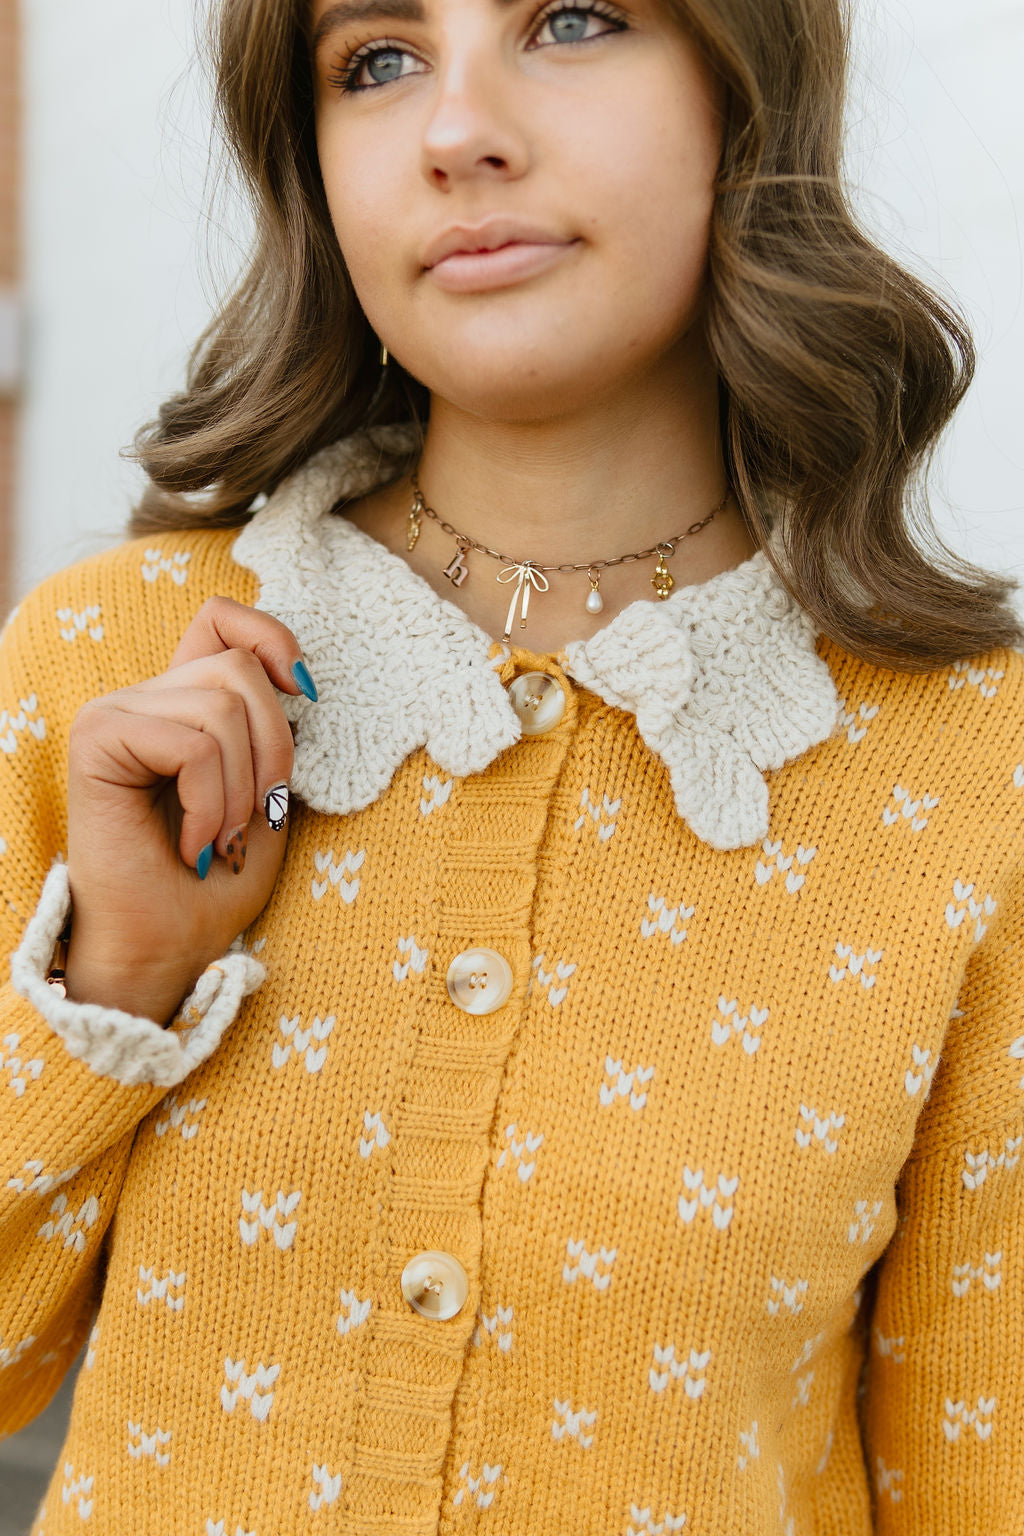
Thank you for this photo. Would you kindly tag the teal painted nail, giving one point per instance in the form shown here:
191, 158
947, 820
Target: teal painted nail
300, 672
204, 861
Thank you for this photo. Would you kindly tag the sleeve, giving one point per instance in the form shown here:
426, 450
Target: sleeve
75, 1079
943, 1408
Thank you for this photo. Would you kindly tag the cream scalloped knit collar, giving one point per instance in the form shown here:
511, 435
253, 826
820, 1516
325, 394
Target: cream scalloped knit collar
723, 678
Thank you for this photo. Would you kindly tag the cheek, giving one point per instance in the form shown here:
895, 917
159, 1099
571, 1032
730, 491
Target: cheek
653, 180
659, 221
361, 208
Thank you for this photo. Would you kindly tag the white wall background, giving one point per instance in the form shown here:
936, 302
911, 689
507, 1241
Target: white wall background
116, 167
117, 154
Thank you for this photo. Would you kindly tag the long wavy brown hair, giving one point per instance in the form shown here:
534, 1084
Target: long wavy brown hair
838, 369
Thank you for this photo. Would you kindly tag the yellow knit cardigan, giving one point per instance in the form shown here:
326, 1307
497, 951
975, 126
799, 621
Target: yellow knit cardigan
746, 1134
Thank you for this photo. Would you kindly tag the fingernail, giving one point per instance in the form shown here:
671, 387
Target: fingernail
204, 861
300, 672
236, 849
275, 805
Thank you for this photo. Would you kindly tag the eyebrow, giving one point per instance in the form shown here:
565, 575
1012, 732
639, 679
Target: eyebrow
345, 12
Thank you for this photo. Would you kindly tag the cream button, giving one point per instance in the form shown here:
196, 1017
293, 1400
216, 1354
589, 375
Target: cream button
538, 700
435, 1285
479, 981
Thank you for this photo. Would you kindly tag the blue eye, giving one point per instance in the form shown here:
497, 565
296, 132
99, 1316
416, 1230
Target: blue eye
569, 26
577, 24
383, 61
372, 65
384, 65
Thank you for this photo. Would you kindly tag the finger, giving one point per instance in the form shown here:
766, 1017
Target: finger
115, 751
222, 714
224, 625
240, 674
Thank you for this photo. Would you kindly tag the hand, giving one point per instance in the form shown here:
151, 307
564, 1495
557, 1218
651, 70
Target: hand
170, 851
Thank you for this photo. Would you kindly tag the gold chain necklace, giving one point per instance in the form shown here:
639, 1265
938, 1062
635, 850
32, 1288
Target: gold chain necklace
530, 576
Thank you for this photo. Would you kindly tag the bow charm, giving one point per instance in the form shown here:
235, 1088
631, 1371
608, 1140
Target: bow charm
525, 575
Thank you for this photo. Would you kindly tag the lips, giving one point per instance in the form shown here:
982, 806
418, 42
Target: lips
499, 253
491, 235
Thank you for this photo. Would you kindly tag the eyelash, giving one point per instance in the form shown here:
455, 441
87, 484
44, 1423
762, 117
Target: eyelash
343, 76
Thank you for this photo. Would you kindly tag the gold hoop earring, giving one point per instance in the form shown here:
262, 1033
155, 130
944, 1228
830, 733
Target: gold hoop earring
385, 356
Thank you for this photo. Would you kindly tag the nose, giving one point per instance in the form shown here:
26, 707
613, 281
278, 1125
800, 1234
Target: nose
472, 130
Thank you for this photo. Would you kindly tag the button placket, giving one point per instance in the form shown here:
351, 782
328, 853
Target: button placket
480, 897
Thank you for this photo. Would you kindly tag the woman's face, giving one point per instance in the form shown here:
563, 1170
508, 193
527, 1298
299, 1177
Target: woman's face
521, 191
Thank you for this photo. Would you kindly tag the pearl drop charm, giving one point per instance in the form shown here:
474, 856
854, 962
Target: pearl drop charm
595, 602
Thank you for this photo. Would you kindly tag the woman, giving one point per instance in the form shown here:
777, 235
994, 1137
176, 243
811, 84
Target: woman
621, 1056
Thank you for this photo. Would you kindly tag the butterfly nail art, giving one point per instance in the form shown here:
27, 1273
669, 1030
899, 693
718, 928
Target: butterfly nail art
275, 804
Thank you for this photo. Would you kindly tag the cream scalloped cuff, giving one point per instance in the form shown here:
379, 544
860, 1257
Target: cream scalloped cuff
123, 1046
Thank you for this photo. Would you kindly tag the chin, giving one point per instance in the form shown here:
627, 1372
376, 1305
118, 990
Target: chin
506, 367
497, 387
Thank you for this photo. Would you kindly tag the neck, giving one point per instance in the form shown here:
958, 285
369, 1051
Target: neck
611, 478
618, 475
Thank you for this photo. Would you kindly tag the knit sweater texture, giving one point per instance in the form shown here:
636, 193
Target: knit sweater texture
734, 1173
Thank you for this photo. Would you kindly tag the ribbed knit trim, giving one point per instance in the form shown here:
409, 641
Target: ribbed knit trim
723, 678
123, 1046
